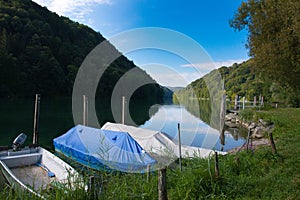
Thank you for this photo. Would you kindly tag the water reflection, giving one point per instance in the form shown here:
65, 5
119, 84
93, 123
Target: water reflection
56, 118
194, 131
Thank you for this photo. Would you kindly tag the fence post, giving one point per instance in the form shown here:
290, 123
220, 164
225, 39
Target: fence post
91, 187
123, 109
244, 103
248, 139
179, 147
148, 173
84, 112
272, 143
262, 101
236, 102
217, 165
36, 118
162, 187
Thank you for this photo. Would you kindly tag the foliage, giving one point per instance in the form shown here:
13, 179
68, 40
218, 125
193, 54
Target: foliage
41, 52
258, 174
244, 81
274, 37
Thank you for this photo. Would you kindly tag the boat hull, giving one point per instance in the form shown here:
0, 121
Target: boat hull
35, 169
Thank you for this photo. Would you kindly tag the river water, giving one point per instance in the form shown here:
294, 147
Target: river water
56, 118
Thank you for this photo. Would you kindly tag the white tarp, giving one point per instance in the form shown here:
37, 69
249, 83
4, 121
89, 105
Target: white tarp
158, 143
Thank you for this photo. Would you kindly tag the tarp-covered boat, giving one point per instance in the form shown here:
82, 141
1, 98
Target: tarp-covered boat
104, 150
158, 143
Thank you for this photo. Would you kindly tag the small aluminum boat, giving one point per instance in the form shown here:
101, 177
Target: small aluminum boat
35, 169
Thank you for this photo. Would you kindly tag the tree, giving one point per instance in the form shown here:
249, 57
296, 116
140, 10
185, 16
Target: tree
41, 52
274, 37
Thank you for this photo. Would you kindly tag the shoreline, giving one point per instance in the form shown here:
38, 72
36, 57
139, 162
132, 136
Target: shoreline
257, 135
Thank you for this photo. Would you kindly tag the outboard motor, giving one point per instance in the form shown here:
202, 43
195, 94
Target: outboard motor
19, 141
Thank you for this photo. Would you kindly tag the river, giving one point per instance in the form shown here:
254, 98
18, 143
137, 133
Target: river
56, 118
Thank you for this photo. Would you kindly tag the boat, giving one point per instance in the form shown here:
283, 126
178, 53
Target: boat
35, 169
104, 150
159, 145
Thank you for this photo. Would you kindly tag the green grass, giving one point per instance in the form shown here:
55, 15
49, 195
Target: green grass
245, 175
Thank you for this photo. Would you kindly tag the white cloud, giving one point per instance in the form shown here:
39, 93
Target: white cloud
75, 9
175, 79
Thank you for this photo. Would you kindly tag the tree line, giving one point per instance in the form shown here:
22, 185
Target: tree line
41, 52
242, 80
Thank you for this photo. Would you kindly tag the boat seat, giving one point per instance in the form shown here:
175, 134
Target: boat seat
21, 160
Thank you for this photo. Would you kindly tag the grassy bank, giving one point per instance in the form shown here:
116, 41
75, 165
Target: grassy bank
255, 174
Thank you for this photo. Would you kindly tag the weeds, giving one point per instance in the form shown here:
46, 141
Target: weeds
244, 175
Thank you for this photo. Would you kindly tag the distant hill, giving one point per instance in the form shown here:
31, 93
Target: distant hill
41, 52
241, 80
173, 89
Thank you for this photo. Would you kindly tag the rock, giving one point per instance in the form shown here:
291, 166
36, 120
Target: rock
245, 124
252, 126
230, 116
270, 128
258, 133
231, 125
265, 124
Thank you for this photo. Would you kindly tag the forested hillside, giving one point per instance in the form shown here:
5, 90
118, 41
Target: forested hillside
241, 80
41, 52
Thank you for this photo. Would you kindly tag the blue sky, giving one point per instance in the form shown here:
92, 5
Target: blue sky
204, 21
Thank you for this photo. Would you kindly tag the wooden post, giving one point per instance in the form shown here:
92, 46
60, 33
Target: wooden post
236, 102
84, 119
148, 173
123, 110
36, 118
274, 150
179, 147
243, 103
248, 139
91, 186
222, 137
87, 111
254, 101
222, 119
262, 101
162, 186
217, 165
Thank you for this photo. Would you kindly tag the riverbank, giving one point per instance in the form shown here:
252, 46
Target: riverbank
261, 174
258, 129
258, 174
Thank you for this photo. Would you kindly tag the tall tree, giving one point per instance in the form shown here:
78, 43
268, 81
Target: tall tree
274, 37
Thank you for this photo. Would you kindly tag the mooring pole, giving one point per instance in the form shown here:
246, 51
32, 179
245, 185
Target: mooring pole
84, 112
236, 102
123, 110
248, 139
254, 101
217, 165
179, 147
274, 150
91, 186
162, 184
148, 173
36, 118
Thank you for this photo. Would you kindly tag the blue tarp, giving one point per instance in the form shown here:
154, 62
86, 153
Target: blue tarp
103, 149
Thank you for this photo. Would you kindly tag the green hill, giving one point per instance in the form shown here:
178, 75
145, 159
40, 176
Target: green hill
41, 52
241, 80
